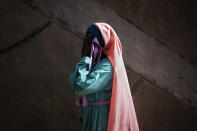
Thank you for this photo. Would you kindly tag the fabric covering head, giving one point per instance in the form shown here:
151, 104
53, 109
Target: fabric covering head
95, 32
122, 116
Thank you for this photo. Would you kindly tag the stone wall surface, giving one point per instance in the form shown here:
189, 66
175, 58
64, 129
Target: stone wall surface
41, 41
35, 92
173, 22
17, 22
141, 53
157, 110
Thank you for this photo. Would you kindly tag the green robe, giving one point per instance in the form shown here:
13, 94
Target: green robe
97, 86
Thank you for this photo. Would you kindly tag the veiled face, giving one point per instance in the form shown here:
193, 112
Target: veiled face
87, 44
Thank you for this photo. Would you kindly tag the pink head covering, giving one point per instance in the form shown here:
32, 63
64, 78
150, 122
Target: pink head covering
122, 116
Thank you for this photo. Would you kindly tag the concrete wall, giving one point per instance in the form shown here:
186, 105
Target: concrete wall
172, 22
41, 42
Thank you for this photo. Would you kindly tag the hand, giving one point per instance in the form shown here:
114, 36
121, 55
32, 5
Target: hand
86, 49
87, 44
78, 101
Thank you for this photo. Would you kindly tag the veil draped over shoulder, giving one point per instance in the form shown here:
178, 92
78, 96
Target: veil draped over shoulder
122, 116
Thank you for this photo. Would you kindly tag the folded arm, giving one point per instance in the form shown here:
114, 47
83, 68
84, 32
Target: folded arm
84, 83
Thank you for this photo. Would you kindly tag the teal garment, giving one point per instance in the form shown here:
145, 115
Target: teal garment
97, 86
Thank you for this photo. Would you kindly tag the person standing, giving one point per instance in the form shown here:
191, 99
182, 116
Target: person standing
101, 82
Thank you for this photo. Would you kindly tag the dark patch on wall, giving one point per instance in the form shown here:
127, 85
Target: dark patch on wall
27, 38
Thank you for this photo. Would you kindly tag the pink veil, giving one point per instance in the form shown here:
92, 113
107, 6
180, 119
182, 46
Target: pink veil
122, 116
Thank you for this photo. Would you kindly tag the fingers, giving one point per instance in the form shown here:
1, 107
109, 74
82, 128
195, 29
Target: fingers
87, 44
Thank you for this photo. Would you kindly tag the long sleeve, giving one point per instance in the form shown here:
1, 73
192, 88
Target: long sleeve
84, 83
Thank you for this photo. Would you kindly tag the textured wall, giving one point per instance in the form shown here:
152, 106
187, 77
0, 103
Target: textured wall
172, 22
142, 53
41, 40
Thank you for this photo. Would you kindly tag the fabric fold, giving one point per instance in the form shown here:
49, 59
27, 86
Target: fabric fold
122, 116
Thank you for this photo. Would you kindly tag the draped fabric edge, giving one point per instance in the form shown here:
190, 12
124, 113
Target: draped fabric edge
122, 116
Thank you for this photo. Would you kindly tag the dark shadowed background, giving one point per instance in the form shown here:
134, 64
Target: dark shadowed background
41, 41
